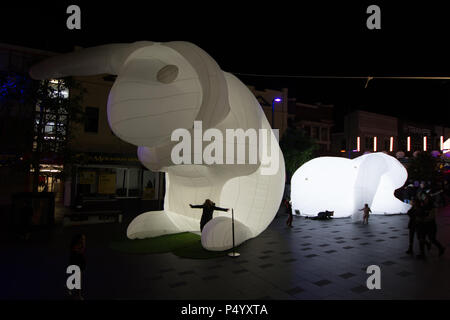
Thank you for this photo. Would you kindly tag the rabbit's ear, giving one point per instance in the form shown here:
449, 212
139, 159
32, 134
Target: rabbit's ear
91, 61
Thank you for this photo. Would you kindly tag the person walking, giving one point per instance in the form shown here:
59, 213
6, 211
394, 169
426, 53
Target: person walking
289, 210
430, 224
366, 210
208, 209
420, 227
412, 224
421, 191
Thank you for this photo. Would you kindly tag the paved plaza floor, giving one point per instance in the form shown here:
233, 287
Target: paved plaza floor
312, 260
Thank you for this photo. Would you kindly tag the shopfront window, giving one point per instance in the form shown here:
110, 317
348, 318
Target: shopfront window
117, 182
107, 181
149, 185
134, 182
121, 182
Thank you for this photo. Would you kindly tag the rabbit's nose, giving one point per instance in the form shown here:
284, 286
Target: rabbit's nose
167, 74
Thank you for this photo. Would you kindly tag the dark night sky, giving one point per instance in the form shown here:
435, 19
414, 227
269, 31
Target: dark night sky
327, 38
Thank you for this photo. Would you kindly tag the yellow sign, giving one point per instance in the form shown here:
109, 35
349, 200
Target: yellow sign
107, 183
87, 177
149, 194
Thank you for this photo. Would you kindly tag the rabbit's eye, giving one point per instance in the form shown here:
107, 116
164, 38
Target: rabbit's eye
167, 74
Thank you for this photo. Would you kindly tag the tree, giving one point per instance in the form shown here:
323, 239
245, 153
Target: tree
53, 111
297, 148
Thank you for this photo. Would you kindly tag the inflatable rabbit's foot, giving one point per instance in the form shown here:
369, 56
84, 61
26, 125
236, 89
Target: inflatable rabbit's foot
157, 223
217, 234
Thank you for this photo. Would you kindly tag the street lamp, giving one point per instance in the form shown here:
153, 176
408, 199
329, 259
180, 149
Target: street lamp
273, 109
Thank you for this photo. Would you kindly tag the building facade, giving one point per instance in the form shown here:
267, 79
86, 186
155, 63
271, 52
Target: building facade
17, 121
316, 120
103, 166
278, 101
371, 132
415, 136
106, 167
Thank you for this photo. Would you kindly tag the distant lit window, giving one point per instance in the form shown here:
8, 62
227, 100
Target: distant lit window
59, 89
49, 127
50, 123
91, 120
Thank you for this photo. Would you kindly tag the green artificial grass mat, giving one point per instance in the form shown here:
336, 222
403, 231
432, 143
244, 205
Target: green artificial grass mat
185, 245
196, 251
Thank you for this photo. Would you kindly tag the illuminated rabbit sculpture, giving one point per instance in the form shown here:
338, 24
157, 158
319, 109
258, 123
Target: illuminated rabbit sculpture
162, 87
344, 186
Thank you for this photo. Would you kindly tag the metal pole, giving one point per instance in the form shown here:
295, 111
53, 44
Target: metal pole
234, 253
232, 226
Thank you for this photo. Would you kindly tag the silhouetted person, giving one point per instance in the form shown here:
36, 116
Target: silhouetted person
77, 257
430, 225
405, 194
421, 191
208, 209
366, 210
412, 224
421, 231
289, 210
323, 215
437, 195
411, 192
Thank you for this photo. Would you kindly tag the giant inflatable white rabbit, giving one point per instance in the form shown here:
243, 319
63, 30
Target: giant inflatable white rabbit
161, 87
345, 186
